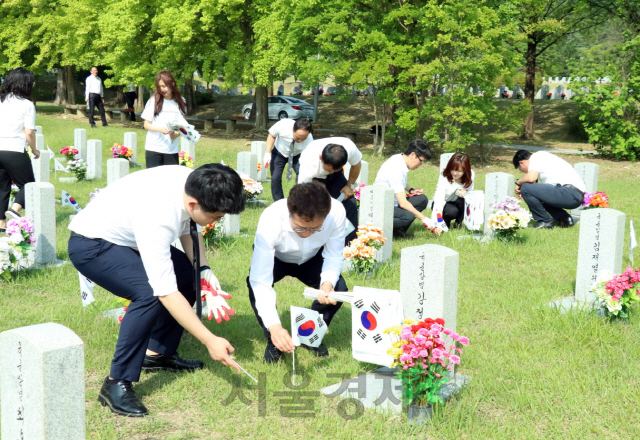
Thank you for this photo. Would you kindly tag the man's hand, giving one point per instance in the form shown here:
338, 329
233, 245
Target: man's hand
86, 100
165, 130
437, 231
266, 160
518, 189
347, 191
220, 350
281, 339
417, 191
323, 296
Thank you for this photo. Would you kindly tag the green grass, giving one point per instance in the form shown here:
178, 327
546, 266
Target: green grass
536, 373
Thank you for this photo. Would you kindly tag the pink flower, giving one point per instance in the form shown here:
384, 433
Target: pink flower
464, 340
428, 344
423, 332
437, 353
415, 353
439, 341
447, 331
455, 336
455, 359
420, 340
406, 334
436, 327
405, 367
405, 358
424, 353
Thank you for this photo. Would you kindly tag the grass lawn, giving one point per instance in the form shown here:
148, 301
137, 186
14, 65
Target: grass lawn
536, 373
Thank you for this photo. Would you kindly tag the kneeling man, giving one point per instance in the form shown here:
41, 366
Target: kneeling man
302, 237
561, 187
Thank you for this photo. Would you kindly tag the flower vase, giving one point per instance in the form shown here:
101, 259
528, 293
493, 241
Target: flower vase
419, 415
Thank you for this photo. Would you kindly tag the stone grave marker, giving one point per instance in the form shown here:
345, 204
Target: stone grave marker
364, 173
41, 209
116, 169
94, 159
248, 164
588, 172
259, 148
131, 141
42, 383
42, 165
498, 186
517, 91
376, 205
80, 142
189, 148
557, 92
38, 129
230, 224
542, 92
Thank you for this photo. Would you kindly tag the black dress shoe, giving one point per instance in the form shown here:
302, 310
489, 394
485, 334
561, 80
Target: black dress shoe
119, 396
320, 351
566, 222
543, 225
173, 363
272, 354
105, 125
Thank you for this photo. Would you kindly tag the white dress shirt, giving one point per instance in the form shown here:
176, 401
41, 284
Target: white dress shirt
144, 211
275, 239
554, 170
448, 192
156, 141
93, 84
393, 173
16, 114
311, 164
283, 132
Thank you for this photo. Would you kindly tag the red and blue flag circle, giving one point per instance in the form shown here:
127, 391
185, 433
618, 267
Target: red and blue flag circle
72, 200
183, 131
307, 328
368, 321
468, 211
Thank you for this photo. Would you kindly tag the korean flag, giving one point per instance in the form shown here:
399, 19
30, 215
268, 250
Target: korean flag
307, 327
86, 290
67, 200
372, 311
474, 210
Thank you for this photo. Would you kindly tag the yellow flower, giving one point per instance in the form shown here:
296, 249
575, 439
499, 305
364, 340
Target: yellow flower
408, 321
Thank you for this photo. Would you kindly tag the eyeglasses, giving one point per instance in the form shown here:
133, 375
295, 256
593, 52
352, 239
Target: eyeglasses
301, 230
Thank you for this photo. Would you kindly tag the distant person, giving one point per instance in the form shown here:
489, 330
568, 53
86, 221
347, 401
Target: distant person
560, 187
130, 99
94, 95
286, 140
17, 130
164, 106
454, 182
393, 173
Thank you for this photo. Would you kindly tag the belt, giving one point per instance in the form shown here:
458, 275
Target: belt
76, 235
577, 189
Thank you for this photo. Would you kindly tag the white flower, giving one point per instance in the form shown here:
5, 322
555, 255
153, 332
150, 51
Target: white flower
16, 238
604, 276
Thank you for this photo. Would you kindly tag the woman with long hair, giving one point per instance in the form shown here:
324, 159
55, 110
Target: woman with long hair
454, 182
166, 104
17, 131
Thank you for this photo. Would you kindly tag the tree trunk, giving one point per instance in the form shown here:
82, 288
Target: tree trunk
61, 90
530, 85
189, 95
68, 81
119, 96
139, 104
261, 107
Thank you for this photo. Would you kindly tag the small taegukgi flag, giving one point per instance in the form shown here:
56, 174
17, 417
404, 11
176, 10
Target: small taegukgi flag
58, 166
86, 290
67, 200
307, 327
474, 210
632, 241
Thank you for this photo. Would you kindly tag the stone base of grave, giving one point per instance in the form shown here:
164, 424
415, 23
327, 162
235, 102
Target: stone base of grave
569, 304
32, 265
257, 202
477, 236
68, 179
576, 213
369, 387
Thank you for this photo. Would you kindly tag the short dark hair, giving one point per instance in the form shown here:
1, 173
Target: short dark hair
303, 123
217, 188
520, 155
419, 147
309, 201
19, 83
335, 155
93, 67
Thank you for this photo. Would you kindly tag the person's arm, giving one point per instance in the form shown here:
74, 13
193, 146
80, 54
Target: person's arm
530, 177
354, 172
404, 204
187, 245
332, 255
86, 89
270, 141
150, 127
31, 140
308, 166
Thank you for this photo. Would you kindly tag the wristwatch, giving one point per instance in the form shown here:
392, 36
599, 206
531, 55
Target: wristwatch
517, 184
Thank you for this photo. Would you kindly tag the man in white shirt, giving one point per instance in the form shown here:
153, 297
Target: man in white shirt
122, 241
302, 237
94, 95
560, 187
394, 174
323, 160
289, 137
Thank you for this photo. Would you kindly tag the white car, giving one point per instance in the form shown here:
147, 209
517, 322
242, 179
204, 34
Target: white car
283, 107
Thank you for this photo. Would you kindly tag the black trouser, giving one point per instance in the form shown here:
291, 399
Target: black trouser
334, 183
543, 198
96, 100
154, 159
14, 167
129, 99
453, 211
309, 274
147, 323
402, 218
278, 167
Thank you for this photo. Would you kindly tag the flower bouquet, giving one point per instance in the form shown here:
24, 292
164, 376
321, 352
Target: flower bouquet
357, 191
423, 359
185, 160
69, 152
211, 232
252, 189
14, 192
14, 246
617, 293
507, 218
596, 200
78, 167
121, 152
549, 95
362, 250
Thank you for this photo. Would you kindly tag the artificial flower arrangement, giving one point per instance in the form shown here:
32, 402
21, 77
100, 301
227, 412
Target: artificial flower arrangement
362, 250
423, 358
78, 167
14, 192
211, 232
596, 200
617, 293
125, 306
507, 217
549, 95
121, 152
252, 189
358, 191
185, 160
69, 152
564, 95
93, 195
18, 240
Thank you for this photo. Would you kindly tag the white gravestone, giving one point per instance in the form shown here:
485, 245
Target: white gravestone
42, 165
259, 148
230, 224
498, 186
38, 129
189, 148
588, 172
248, 164
517, 91
364, 173
131, 141
116, 169
542, 92
444, 161
41, 208
557, 92
94, 159
376, 205
42, 383
80, 142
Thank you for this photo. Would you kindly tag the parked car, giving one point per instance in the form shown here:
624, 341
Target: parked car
283, 107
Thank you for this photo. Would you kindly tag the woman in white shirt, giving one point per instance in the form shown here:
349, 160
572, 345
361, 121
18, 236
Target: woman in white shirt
17, 130
165, 106
454, 182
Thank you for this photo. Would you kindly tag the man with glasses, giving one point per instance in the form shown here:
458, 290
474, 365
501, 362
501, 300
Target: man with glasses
302, 237
394, 173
